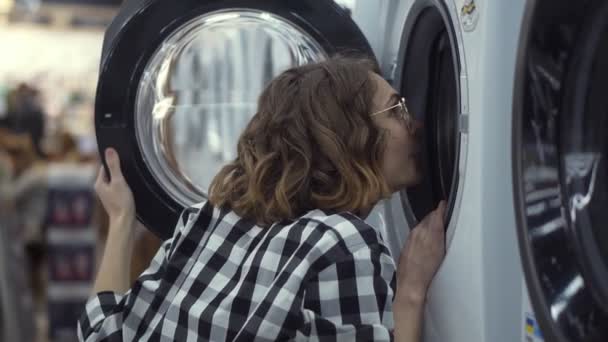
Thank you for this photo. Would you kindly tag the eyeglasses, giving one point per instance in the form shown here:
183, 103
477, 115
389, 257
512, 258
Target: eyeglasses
401, 111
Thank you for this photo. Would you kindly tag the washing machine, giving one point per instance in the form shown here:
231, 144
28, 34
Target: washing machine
168, 101
560, 116
520, 163
454, 60
526, 248
179, 80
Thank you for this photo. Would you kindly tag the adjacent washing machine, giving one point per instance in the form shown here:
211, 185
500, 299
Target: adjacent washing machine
560, 175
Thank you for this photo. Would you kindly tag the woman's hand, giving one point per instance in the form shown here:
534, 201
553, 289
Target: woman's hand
117, 199
421, 257
114, 192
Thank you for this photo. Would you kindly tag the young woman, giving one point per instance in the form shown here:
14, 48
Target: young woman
281, 250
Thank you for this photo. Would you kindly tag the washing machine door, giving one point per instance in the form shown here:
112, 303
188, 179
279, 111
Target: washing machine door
179, 80
560, 152
431, 75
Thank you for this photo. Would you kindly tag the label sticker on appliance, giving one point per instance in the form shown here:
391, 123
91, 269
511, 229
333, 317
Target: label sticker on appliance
532, 330
469, 15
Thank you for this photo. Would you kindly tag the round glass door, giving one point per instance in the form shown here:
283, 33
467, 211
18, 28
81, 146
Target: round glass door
584, 148
179, 80
429, 80
200, 89
560, 174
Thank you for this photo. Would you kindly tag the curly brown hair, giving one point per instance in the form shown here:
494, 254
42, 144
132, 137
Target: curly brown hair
311, 145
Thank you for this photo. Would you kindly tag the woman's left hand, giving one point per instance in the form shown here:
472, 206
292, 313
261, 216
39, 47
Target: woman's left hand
422, 255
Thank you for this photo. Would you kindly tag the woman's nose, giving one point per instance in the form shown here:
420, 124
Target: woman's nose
417, 126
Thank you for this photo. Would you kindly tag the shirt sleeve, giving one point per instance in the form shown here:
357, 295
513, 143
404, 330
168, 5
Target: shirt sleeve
352, 299
103, 316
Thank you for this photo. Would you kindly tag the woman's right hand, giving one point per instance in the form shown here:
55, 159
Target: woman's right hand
421, 257
114, 192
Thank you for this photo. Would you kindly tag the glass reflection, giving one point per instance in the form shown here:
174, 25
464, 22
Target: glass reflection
200, 89
582, 167
566, 295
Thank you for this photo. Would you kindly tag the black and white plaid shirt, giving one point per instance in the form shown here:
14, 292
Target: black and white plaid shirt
324, 277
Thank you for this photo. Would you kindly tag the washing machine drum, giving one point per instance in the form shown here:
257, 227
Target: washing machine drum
560, 150
429, 78
180, 79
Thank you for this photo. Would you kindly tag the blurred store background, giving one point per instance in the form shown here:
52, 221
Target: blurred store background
52, 228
